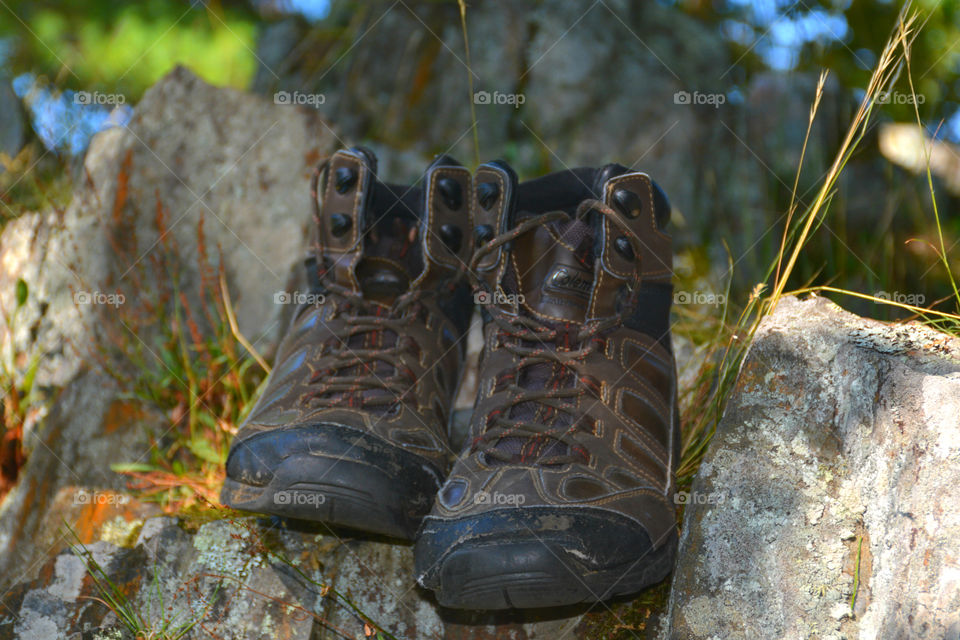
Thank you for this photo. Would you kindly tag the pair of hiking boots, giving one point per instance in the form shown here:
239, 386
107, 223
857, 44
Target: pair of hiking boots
564, 490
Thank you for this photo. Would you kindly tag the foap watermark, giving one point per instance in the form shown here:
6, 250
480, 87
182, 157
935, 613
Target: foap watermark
899, 97
513, 99
712, 99
99, 497
497, 498
97, 98
98, 297
699, 497
699, 297
913, 299
297, 297
299, 98
299, 498
498, 297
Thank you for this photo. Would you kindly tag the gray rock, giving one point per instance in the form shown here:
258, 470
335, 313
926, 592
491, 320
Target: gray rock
235, 161
833, 472
49, 325
239, 163
245, 579
88, 427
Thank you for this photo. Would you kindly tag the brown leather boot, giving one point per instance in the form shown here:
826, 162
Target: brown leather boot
564, 493
351, 427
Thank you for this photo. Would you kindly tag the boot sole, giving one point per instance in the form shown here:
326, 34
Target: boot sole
534, 575
522, 570
342, 478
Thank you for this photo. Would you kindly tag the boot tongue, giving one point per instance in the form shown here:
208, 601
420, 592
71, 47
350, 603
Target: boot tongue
391, 258
390, 255
552, 269
393, 255
552, 266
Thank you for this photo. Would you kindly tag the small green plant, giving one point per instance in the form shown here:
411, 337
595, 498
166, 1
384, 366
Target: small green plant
718, 374
205, 382
184, 355
151, 620
22, 401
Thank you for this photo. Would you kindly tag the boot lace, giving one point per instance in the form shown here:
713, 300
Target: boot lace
362, 365
563, 348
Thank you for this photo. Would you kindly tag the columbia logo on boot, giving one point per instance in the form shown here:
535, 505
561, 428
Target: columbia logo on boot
564, 279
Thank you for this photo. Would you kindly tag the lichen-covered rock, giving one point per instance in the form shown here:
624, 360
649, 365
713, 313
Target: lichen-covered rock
192, 152
213, 583
67, 477
827, 504
241, 163
239, 578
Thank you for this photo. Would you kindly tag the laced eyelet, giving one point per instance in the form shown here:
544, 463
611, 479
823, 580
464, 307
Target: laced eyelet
345, 375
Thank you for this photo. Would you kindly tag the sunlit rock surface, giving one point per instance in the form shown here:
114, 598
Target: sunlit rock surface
827, 505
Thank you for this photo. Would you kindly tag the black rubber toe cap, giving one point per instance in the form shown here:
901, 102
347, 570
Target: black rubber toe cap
538, 557
331, 473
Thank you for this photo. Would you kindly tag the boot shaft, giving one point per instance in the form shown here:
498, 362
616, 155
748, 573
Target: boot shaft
582, 266
384, 240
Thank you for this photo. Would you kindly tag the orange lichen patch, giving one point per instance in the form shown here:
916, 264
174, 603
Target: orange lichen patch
750, 374
123, 178
94, 515
47, 571
121, 415
87, 511
312, 158
29, 504
11, 457
756, 376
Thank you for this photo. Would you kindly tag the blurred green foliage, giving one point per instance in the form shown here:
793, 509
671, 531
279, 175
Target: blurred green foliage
125, 47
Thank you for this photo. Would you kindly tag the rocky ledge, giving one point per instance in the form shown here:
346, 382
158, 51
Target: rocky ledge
828, 505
